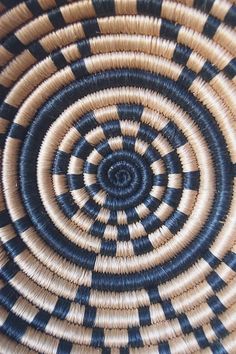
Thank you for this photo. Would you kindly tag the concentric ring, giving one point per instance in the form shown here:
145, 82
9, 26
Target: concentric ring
118, 141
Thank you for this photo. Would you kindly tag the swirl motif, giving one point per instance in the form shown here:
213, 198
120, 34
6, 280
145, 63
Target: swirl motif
118, 155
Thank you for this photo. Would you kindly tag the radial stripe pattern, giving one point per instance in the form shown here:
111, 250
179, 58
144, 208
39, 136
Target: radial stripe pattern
118, 167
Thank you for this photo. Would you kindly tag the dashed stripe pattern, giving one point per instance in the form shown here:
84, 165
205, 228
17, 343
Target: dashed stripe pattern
117, 194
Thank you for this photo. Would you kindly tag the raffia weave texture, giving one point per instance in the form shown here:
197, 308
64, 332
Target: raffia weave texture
118, 166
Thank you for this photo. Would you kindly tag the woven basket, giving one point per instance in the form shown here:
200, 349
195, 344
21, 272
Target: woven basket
118, 156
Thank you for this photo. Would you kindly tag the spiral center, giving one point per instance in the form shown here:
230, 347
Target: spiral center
120, 174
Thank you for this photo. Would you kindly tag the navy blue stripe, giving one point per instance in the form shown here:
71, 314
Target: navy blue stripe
56, 18
61, 2
93, 189
22, 224
218, 348
149, 7
82, 295
2, 140
79, 69
61, 162
91, 208
176, 221
128, 143
3, 92
132, 215
7, 111
211, 26
14, 45
9, 270
108, 248
89, 316
14, 327
61, 308
169, 29
97, 229
75, 181
172, 162
41, 320
4, 218
181, 54
64, 347
151, 203
124, 350
215, 281
130, 112
172, 197
97, 339
185, 324
37, 50
151, 223
82, 149
219, 328
191, 180
186, 77
123, 233
34, 7
17, 131
8, 296
90, 168
164, 348
142, 245
135, 339
208, 71
84, 48
90, 27
106, 351
146, 133
230, 69
111, 128
230, 260
59, 60
201, 337
174, 135
86, 123
15, 246
151, 155
205, 5
215, 304
160, 180
144, 316
212, 260
9, 3
154, 295
104, 7
234, 169
230, 17
67, 204
168, 309
113, 217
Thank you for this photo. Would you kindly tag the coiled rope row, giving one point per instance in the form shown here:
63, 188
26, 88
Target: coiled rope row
118, 198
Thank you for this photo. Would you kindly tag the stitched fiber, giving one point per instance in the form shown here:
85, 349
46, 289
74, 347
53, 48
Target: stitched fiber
118, 167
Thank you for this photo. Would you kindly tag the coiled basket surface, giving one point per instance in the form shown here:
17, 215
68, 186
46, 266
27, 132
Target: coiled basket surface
118, 166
